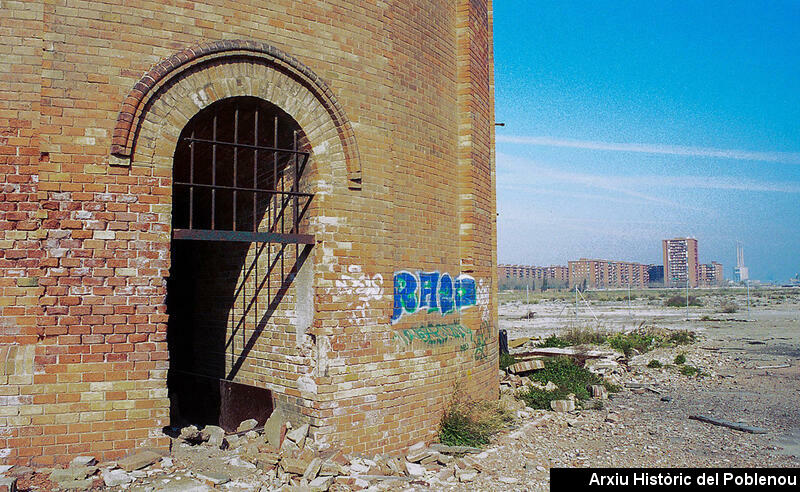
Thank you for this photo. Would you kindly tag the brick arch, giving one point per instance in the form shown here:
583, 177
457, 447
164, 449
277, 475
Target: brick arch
129, 128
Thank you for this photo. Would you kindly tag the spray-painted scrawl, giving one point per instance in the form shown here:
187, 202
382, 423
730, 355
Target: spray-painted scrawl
431, 291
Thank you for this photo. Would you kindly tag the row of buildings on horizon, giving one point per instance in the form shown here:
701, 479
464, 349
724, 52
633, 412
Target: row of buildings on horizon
681, 266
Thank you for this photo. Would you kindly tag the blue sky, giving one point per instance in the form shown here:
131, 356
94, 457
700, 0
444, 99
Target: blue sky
631, 122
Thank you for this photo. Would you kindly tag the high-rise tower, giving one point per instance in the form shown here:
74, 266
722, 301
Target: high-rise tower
680, 261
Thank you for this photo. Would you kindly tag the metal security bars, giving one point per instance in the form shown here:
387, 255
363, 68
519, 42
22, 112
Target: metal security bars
235, 179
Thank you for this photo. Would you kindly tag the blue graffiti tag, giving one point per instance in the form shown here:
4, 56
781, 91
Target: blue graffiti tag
432, 291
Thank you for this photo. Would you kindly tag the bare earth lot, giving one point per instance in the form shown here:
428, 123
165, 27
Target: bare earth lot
736, 354
654, 433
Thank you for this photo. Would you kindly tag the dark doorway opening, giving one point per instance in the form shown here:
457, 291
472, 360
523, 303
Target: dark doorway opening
238, 215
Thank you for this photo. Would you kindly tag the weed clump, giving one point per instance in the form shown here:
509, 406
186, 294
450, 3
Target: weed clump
654, 364
506, 361
680, 359
564, 373
635, 340
681, 337
471, 423
554, 341
680, 301
728, 308
582, 336
690, 371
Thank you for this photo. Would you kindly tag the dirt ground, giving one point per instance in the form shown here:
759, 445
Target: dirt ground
734, 353
637, 427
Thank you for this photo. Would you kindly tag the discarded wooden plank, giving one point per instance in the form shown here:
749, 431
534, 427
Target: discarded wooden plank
445, 449
654, 390
732, 425
518, 342
526, 366
554, 351
779, 366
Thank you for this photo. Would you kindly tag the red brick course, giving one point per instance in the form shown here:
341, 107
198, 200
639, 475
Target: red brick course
396, 104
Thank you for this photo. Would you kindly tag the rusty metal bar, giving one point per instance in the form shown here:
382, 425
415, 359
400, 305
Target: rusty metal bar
191, 180
241, 236
235, 159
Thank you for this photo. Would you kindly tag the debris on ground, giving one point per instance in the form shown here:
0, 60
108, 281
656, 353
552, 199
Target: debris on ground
731, 425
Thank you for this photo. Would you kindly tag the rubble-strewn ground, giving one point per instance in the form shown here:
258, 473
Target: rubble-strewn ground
644, 425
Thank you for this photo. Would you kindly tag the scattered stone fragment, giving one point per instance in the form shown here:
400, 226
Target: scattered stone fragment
113, 478
467, 475
445, 474
231, 442
298, 436
138, 459
215, 478
562, 405
183, 484
275, 429
213, 435
191, 434
82, 461
550, 386
666, 398
85, 484
417, 455
599, 391
445, 449
509, 480
247, 425
312, 469
612, 418
241, 463
289, 447
321, 484
432, 457
70, 474
414, 469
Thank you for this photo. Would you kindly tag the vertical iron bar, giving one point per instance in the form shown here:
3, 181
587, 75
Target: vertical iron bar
235, 158
255, 170
191, 180
275, 174
214, 169
295, 188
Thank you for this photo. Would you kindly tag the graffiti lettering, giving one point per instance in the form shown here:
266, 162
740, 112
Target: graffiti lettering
432, 334
431, 291
482, 336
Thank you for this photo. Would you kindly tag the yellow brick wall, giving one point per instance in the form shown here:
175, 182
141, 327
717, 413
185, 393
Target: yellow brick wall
413, 82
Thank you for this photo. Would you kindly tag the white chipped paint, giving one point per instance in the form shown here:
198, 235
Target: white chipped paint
200, 98
307, 384
483, 297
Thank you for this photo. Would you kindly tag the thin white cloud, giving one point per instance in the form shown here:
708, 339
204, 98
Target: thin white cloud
735, 154
514, 171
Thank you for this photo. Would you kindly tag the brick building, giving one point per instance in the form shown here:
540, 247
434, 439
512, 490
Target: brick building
555, 275
680, 262
215, 208
607, 273
710, 274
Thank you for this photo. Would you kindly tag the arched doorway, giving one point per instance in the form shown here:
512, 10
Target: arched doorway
239, 236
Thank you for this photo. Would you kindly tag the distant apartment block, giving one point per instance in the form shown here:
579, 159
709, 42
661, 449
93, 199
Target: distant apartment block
680, 262
607, 273
556, 274
710, 274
